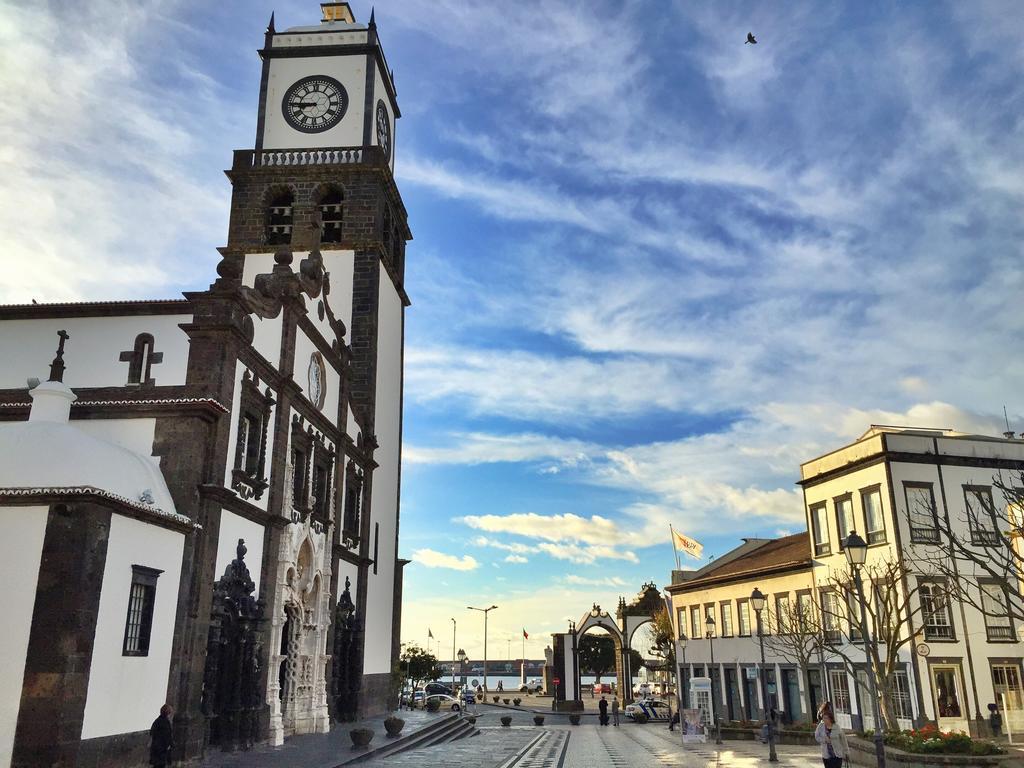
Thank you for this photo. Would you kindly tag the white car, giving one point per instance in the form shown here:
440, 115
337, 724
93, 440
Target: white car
655, 710
534, 686
444, 701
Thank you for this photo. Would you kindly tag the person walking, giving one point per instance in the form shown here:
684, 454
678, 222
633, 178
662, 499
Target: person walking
603, 706
615, 711
161, 738
834, 748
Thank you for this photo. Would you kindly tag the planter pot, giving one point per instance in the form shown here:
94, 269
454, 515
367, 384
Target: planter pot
471, 719
496, 699
538, 719
574, 719
361, 737
506, 721
517, 702
506, 701
394, 726
640, 717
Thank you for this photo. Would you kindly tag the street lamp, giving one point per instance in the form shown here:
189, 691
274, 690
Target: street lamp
758, 600
856, 554
683, 698
462, 656
484, 611
709, 626
453, 654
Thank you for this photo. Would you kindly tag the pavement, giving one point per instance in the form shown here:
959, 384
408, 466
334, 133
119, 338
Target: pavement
557, 744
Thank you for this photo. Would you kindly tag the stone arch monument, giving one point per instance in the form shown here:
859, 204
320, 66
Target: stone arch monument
622, 627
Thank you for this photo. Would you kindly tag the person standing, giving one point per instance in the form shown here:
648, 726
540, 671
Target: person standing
161, 738
834, 748
603, 706
826, 709
615, 711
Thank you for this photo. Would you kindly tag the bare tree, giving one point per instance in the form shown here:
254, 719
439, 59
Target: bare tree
979, 553
893, 601
798, 636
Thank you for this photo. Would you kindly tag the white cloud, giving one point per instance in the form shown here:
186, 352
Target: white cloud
516, 559
607, 581
433, 559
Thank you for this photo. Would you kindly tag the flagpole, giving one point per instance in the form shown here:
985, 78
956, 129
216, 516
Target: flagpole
672, 535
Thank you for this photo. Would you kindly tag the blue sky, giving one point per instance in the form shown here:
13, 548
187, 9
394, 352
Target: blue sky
654, 268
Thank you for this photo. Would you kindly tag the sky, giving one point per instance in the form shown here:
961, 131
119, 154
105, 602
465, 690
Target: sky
654, 268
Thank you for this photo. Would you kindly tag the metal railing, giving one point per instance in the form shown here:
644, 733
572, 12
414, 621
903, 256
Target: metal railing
288, 158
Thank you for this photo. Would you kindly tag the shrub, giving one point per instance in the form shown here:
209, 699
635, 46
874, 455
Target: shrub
574, 718
496, 698
538, 719
506, 721
506, 701
929, 740
433, 705
517, 701
640, 717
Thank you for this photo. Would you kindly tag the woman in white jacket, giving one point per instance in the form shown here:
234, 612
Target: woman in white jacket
834, 748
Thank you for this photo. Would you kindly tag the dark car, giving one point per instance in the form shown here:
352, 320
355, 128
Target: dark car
432, 688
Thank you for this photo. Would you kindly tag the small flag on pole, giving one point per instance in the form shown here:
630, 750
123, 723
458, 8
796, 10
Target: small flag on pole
430, 634
525, 636
692, 547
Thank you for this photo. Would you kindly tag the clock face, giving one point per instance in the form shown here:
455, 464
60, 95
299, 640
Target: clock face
316, 375
383, 130
315, 104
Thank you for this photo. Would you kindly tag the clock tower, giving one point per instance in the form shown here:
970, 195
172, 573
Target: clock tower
316, 255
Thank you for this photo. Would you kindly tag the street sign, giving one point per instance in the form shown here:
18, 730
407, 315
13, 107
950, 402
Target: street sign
556, 680
751, 673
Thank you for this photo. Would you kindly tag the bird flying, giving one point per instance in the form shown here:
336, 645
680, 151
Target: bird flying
751, 39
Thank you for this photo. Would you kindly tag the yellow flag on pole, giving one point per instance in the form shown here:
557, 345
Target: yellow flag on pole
692, 547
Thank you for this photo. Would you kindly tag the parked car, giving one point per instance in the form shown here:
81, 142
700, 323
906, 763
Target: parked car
437, 687
444, 701
532, 686
655, 710
600, 688
416, 697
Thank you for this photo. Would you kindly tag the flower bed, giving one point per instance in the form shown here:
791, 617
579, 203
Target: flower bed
929, 740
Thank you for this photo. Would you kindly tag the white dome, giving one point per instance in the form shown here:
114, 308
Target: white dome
49, 452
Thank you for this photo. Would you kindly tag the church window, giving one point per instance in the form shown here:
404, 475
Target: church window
248, 477
279, 219
331, 215
323, 470
139, 623
376, 545
353, 501
302, 451
141, 358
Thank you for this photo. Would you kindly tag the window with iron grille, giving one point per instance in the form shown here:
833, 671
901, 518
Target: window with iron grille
138, 625
998, 625
840, 685
981, 515
899, 685
922, 513
874, 519
938, 624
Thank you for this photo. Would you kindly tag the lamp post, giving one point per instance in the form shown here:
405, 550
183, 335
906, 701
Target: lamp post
461, 656
856, 554
453, 654
575, 665
484, 611
709, 626
758, 600
681, 646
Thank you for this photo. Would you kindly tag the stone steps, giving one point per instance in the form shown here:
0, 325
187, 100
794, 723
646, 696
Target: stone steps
450, 727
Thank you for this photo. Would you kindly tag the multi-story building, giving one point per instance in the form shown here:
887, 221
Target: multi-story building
203, 509
903, 490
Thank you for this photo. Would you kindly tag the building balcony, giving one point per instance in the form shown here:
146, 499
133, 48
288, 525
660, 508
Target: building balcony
924, 535
984, 538
1000, 634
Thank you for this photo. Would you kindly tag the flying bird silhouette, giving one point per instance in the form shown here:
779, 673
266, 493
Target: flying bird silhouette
751, 39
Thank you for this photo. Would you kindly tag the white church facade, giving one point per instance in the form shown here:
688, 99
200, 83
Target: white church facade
201, 502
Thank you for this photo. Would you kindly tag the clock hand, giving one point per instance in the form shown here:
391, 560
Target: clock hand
304, 104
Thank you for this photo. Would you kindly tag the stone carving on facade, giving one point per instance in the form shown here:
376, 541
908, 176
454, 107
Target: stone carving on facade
296, 685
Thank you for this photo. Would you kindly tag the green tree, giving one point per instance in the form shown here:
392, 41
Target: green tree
662, 636
597, 655
419, 665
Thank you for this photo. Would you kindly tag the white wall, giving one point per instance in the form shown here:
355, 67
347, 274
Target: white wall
349, 70
126, 692
385, 478
21, 548
266, 331
92, 354
341, 265
304, 350
232, 528
134, 434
